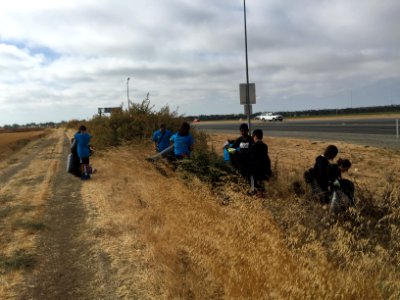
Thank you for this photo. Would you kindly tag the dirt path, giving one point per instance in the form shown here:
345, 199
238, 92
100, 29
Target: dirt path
68, 266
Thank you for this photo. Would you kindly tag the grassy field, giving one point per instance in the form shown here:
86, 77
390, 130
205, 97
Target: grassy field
165, 234
168, 235
13, 141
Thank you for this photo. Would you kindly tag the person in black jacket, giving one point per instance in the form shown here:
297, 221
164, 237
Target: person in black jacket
260, 164
322, 173
239, 151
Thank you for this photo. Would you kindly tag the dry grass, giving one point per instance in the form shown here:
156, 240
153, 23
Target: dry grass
169, 237
10, 142
21, 207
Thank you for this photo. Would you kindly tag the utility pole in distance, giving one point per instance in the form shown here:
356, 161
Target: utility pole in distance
127, 90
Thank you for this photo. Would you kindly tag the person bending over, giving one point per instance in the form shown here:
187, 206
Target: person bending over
83, 139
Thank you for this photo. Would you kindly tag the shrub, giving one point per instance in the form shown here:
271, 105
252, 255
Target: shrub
137, 123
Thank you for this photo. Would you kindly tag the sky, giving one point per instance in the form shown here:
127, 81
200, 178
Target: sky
61, 60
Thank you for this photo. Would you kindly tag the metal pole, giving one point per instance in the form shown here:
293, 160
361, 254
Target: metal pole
397, 128
127, 90
247, 69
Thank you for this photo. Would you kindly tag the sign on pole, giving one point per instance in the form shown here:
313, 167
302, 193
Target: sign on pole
243, 93
248, 109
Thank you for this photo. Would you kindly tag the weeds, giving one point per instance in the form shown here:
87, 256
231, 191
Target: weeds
18, 260
29, 225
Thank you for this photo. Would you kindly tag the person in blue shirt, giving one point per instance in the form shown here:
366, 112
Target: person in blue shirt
83, 139
161, 138
183, 142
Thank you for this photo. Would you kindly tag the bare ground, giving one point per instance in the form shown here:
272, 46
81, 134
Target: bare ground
63, 263
68, 267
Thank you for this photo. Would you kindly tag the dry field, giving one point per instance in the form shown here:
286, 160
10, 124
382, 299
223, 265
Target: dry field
169, 237
25, 182
12, 141
146, 231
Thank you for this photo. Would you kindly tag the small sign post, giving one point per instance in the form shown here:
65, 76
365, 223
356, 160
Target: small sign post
248, 109
247, 98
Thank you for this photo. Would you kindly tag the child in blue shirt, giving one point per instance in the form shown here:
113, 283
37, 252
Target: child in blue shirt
161, 138
183, 142
83, 139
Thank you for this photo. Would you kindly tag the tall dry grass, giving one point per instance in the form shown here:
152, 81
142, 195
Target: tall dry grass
171, 235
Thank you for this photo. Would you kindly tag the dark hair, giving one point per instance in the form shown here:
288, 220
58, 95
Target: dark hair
163, 125
258, 133
331, 151
344, 163
244, 126
184, 130
82, 128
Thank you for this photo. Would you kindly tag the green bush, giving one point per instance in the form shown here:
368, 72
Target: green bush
137, 123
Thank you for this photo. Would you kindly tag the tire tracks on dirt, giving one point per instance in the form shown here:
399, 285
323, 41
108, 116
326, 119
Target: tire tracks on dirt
68, 266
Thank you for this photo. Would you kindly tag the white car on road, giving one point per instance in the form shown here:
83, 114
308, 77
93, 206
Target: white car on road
269, 117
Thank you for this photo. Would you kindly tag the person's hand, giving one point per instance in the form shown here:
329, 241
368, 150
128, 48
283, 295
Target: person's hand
336, 183
231, 150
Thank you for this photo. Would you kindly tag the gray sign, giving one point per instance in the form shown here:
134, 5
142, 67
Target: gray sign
248, 109
243, 93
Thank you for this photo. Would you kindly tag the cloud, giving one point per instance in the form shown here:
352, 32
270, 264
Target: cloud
69, 57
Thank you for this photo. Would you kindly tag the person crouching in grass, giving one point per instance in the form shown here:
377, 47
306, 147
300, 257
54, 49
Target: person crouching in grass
260, 164
183, 142
83, 139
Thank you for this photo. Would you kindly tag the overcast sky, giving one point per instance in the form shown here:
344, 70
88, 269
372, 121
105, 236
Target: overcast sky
63, 59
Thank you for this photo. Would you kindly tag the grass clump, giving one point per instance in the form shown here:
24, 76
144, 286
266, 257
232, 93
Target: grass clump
20, 259
204, 163
30, 225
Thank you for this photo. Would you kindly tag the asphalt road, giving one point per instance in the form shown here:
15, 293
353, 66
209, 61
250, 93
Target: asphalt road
370, 132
